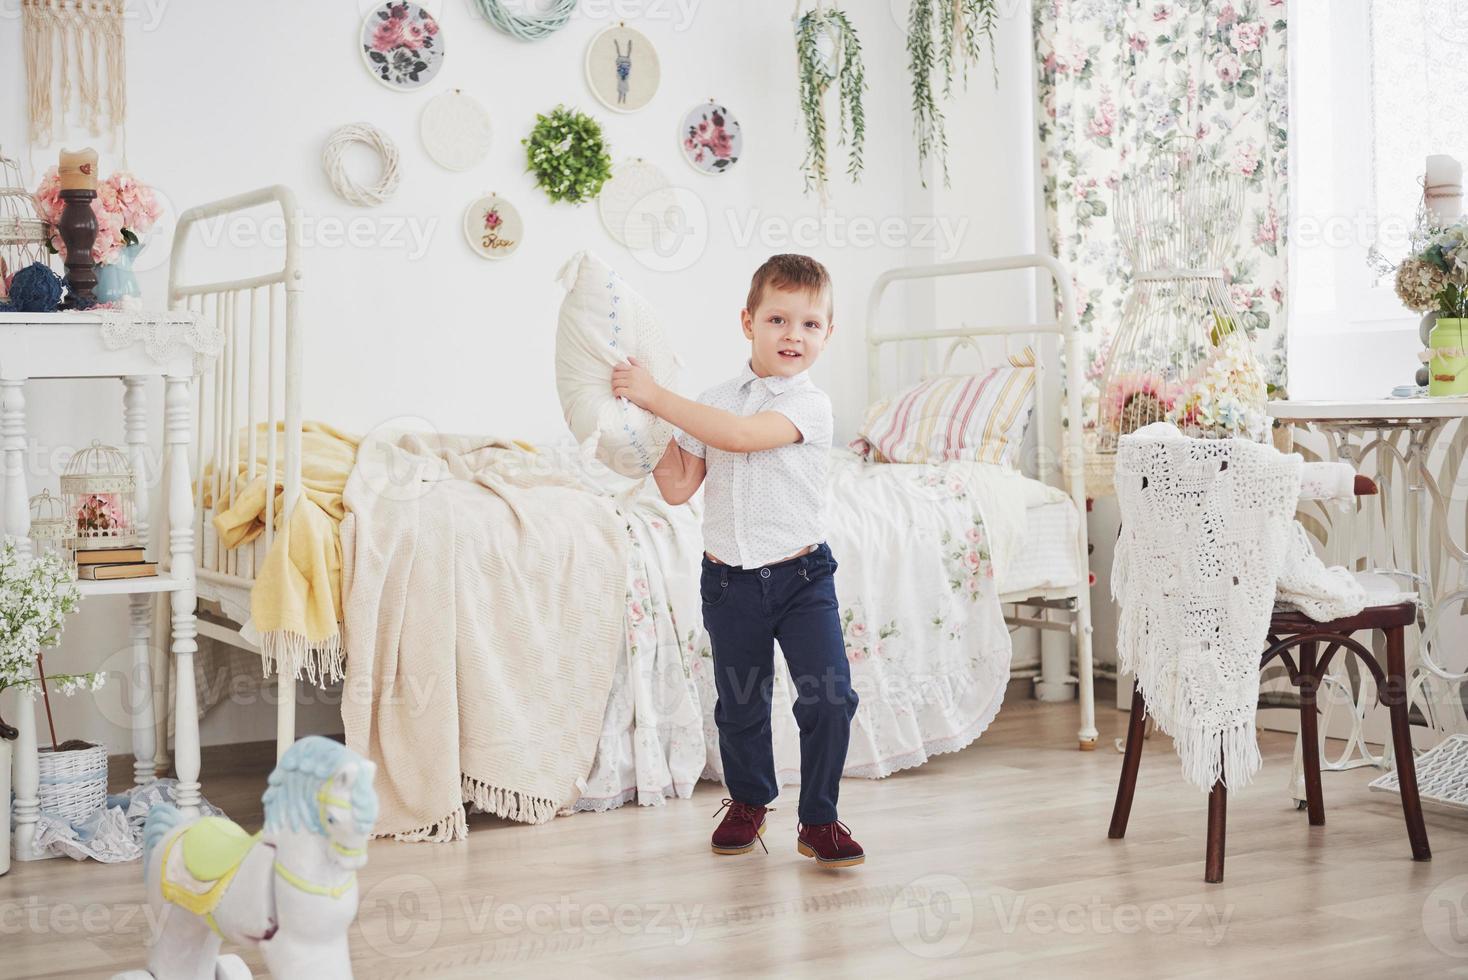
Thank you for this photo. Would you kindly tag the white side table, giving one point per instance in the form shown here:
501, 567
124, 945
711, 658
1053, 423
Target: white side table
1393, 440
130, 348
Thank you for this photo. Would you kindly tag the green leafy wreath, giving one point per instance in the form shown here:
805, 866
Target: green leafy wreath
568, 155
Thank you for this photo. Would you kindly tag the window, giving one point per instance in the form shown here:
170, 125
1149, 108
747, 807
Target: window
1374, 88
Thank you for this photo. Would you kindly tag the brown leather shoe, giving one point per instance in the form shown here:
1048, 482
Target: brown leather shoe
830, 844
740, 828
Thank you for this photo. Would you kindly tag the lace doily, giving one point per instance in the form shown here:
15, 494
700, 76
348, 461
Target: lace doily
163, 335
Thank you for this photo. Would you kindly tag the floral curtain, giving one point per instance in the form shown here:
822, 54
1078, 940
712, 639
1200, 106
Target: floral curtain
1116, 79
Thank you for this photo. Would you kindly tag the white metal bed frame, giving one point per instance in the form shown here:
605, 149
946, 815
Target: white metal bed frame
260, 318
1038, 603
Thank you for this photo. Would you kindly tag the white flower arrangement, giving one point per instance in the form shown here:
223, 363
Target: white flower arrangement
37, 593
1226, 396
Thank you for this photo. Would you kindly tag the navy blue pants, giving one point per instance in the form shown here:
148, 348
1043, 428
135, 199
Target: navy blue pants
746, 610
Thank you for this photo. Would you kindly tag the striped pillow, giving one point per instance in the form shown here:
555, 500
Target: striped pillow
979, 417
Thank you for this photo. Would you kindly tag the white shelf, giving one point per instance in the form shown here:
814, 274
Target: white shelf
162, 582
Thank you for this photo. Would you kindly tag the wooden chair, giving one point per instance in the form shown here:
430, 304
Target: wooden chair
1289, 629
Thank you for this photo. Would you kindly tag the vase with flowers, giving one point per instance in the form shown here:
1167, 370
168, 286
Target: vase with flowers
126, 210
1433, 280
37, 593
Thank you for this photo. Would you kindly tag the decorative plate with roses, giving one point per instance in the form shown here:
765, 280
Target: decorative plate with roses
711, 138
402, 45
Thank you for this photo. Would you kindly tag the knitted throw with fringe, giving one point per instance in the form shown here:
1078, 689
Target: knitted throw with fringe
1208, 539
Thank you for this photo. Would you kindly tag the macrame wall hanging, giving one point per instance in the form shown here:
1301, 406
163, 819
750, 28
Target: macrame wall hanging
74, 58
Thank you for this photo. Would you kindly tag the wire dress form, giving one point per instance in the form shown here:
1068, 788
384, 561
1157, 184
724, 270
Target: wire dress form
1180, 353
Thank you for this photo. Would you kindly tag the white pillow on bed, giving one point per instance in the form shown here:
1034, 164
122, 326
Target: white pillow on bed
603, 322
980, 417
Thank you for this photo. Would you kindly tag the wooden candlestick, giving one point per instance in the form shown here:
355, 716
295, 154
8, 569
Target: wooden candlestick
78, 230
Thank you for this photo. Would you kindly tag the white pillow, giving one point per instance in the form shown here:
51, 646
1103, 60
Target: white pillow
603, 322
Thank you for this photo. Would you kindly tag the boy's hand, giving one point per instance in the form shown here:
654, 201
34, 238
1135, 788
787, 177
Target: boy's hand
633, 382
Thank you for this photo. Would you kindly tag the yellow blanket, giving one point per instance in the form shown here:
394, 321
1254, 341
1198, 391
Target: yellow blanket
296, 600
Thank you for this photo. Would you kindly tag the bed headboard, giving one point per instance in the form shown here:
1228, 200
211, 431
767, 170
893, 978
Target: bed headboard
257, 376
1059, 458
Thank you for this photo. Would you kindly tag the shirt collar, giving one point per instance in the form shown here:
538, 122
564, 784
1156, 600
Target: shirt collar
774, 384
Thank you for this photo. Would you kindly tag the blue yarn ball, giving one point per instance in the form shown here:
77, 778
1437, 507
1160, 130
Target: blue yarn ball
35, 289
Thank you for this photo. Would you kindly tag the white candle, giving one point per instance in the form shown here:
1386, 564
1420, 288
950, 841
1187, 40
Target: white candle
1444, 186
78, 170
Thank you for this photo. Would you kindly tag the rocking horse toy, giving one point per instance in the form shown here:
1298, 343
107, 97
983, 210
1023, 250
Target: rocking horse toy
290, 890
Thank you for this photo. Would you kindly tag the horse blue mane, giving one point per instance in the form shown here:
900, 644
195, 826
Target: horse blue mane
290, 799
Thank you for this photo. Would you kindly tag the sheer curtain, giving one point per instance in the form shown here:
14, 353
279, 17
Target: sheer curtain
1375, 89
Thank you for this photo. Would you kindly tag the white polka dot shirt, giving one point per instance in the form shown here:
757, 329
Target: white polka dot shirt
764, 506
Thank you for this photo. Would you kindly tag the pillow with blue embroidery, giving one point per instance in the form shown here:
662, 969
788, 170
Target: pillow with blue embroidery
603, 322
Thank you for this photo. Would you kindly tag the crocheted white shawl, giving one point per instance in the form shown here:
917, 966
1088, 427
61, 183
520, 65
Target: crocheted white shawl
1208, 536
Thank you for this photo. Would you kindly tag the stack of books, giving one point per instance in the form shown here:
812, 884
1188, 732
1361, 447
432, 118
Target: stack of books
104, 564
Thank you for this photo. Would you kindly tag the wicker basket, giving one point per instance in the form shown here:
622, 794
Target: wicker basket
73, 783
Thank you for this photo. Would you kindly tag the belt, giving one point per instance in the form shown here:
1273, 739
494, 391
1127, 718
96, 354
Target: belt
783, 561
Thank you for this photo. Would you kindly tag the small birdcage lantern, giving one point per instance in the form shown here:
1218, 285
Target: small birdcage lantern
98, 492
1181, 353
49, 526
23, 232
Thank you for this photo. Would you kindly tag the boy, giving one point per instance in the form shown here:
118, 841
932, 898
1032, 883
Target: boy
759, 444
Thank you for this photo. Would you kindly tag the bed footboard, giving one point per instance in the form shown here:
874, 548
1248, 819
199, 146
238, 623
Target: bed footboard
1057, 461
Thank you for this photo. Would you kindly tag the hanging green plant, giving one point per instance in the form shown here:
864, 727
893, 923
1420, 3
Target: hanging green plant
942, 34
827, 52
568, 155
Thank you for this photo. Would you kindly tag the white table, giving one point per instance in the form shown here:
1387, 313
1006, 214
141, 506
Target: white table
130, 348
1393, 439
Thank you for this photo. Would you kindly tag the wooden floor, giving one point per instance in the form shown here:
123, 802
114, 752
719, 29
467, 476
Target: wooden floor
991, 861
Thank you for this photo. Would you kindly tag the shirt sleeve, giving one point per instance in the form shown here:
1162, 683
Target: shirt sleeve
691, 445
810, 410
687, 442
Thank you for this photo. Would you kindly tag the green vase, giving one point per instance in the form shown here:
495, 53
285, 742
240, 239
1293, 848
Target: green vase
1448, 375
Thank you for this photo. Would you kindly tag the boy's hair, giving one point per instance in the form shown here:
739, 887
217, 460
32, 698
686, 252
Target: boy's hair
790, 271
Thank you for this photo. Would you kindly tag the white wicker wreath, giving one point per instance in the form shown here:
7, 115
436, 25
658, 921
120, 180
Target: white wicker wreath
348, 189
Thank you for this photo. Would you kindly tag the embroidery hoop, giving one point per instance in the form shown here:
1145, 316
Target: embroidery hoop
734, 123
455, 130
427, 76
513, 225
645, 61
633, 184
332, 162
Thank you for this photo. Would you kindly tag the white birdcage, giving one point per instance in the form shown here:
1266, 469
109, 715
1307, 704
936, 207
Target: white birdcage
49, 526
98, 492
23, 233
1181, 353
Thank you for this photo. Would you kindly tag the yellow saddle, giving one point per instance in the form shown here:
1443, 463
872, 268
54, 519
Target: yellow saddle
199, 864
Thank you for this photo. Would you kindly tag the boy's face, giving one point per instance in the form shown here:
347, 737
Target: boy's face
788, 330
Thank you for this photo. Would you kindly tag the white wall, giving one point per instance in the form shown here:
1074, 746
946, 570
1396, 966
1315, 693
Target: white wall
225, 98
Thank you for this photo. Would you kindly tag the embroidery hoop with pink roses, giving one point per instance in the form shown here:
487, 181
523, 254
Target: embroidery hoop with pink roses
401, 45
711, 138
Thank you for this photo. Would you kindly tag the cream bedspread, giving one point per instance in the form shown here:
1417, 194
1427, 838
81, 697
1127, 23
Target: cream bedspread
483, 618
